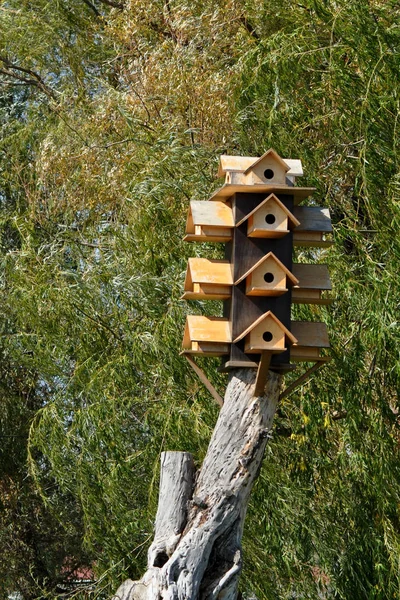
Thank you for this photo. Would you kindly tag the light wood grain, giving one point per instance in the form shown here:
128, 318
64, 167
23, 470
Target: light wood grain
312, 277
311, 334
228, 190
217, 214
241, 163
312, 218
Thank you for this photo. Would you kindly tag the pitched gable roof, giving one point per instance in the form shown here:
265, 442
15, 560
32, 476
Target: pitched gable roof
266, 315
288, 274
239, 164
269, 152
263, 203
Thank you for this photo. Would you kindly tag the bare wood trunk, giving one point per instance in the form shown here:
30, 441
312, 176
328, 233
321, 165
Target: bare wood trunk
176, 487
202, 560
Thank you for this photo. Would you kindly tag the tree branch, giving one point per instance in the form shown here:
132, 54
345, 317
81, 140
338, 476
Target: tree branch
249, 27
287, 431
34, 78
119, 5
206, 561
92, 7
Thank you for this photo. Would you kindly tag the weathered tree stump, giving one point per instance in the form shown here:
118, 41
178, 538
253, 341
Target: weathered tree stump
196, 552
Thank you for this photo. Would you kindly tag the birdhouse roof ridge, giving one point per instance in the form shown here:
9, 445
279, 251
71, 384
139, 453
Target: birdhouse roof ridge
268, 152
238, 164
271, 315
293, 279
269, 198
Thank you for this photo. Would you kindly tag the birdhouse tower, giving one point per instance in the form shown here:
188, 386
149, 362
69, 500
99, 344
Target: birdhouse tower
256, 213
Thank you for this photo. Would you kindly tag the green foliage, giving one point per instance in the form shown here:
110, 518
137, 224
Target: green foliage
111, 121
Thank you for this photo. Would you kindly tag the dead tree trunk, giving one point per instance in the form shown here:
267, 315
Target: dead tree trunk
196, 552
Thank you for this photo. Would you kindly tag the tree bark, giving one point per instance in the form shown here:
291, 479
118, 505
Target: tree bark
196, 553
176, 487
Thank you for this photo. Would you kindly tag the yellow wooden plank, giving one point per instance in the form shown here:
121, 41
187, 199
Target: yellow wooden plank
208, 329
214, 349
215, 214
207, 288
208, 292
204, 270
220, 236
207, 349
253, 290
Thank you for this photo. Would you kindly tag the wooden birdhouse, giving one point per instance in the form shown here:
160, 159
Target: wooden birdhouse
233, 167
209, 222
315, 228
265, 174
270, 219
268, 277
311, 338
207, 335
266, 334
269, 168
208, 279
314, 281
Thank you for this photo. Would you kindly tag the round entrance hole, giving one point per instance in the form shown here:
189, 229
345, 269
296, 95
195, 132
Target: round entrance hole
268, 173
267, 336
269, 277
270, 219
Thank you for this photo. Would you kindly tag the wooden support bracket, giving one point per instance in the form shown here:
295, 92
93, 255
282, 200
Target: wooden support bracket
262, 373
301, 379
203, 378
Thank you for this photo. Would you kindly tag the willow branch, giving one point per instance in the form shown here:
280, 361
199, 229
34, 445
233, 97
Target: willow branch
25, 76
92, 7
119, 5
